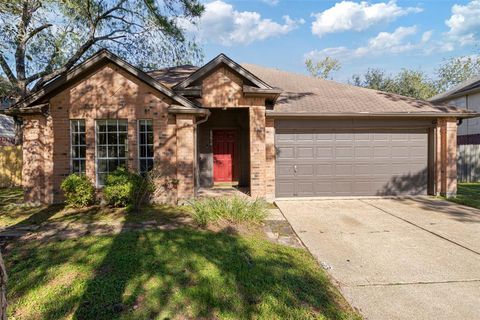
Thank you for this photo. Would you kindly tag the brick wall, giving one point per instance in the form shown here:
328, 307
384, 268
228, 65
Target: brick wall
270, 159
185, 156
257, 151
446, 157
107, 93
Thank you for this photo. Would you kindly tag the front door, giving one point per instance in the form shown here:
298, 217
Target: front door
224, 155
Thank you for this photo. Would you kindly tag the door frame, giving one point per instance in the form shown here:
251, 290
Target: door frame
236, 156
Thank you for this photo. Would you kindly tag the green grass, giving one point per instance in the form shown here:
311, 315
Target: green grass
13, 212
180, 274
232, 209
468, 194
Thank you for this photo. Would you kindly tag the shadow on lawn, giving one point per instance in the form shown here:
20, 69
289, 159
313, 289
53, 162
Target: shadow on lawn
186, 273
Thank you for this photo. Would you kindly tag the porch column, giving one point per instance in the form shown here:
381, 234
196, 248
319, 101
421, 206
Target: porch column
257, 151
185, 156
447, 157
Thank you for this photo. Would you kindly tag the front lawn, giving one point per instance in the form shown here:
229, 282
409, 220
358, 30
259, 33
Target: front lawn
180, 274
12, 212
468, 194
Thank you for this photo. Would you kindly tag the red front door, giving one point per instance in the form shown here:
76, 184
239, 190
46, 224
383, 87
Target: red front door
224, 154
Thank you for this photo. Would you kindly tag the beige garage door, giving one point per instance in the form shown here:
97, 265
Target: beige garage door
351, 163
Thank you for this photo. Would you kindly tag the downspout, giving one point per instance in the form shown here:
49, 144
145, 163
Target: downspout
195, 153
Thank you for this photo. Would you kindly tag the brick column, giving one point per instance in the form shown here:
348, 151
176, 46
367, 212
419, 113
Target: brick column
270, 158
257, 151
37, 159
447, 157
185, 156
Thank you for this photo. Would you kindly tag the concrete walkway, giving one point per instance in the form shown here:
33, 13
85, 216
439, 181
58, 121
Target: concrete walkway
396, 259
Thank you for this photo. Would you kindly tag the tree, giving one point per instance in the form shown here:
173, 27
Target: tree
456, 70
322, 68
410, 83
36, 45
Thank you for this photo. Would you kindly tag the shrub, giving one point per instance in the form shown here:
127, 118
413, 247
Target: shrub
78, 191
234, 209
124, 188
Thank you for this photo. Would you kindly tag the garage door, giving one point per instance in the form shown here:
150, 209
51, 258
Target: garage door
350, 163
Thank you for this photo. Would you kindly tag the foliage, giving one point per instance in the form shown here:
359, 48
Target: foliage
122, 187
468, 194
178, 274
78, 191
410, 83
456, 70
322, 68
235, 209
37, 45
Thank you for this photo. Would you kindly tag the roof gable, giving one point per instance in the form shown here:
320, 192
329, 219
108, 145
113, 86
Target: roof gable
213, 64
465, 87
98, 58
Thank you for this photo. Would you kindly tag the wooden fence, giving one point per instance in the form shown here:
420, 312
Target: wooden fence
468, 163
10, 166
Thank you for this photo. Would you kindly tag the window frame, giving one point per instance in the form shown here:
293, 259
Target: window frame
139, 145
72, 158
107, 145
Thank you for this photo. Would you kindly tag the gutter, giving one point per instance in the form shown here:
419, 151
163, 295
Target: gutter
276, 114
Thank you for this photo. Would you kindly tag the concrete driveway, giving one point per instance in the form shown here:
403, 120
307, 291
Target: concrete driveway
416, 258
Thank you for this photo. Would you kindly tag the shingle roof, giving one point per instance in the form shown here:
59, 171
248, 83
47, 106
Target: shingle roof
171, 76
467, 85
304, 94
307, 95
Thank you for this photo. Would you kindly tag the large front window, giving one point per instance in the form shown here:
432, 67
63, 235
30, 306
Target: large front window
112, 145
78, 146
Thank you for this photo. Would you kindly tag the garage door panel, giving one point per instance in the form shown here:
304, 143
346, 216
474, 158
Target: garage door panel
305, 152
285, 152
350, 163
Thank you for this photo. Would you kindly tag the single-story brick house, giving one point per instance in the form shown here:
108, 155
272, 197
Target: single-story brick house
278, 134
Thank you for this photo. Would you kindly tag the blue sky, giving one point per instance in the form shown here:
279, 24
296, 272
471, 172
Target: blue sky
384, 34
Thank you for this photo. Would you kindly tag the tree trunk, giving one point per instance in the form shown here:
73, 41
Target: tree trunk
3, 290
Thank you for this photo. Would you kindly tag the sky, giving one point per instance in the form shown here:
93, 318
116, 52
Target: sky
390, 35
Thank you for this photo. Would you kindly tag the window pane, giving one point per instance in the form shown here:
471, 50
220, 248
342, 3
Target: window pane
112, 138
122, 163
150, 138
112, 125
102, 138
149, 126
122, 138
122, 152
112, 165
149, 164
143, 165
76, 166
101, 126
122, 126
149, 152
142, 138
82, 151
102, 151
101, 178
81, 126
102, 166
143, 151
112, 151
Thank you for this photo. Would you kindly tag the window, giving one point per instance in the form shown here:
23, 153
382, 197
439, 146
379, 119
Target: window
112, 147
145, 145
78, 146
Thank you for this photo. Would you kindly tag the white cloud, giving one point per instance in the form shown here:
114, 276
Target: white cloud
396, 42
464, 21
221, 23
349, 15
271, 2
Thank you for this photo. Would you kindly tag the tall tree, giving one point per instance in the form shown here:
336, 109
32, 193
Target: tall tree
456, 70
410, 83
42, 39
322, 68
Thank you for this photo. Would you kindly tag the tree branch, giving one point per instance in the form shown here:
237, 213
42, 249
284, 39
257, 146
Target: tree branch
11, 77
37, 30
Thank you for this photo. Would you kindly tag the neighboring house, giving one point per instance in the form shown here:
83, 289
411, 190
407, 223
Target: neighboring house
278, 134
7, 131
466, 95
7, 126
